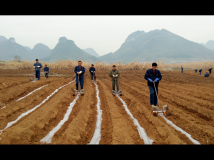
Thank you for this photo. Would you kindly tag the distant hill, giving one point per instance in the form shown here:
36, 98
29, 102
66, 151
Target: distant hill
66, 49
9, 48
158, 44
209, 44
28, 48
40, 51
91, 51
2, 39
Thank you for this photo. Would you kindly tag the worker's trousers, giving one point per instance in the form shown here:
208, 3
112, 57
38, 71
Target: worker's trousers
81, 80
113, 84
93, 75
200, 73
46, 75
37, 74
181, 71
153, 97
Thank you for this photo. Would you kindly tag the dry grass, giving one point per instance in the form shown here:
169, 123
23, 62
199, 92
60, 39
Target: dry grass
70, 64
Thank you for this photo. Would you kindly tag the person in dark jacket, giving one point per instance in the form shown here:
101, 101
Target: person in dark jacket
92, 72
37, 67
46, 71
182, 69
79, 70
200, 70
153, 75
206, 74
210, 70
196, 71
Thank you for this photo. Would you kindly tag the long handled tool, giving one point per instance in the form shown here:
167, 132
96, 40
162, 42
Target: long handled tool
94, 77
165, 110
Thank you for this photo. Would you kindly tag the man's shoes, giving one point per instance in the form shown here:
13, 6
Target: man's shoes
154, 108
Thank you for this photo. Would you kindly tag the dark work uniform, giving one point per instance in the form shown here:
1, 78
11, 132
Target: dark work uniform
92, 72
81, 76
153, 75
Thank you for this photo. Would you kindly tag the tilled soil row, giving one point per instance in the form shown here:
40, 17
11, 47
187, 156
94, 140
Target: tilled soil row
192, 123
34, 126
120, 127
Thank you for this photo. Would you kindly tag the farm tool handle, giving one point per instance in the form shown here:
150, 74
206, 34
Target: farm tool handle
93, 74
156, 94
115, 84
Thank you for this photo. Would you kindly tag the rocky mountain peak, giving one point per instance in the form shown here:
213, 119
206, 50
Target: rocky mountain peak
12, 40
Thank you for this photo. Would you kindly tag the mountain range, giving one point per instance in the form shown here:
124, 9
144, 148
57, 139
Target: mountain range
209, 44
91, 51
158, 45
67, 49
138, 46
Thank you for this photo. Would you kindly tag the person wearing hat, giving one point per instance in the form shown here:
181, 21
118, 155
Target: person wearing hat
153, 75
114, 73
92, 72
37, 67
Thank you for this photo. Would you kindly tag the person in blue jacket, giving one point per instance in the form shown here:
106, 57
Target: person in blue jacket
153, 75
79, 70
200, 70
46, 70
210, 70
206, 74
37, 67
92, 72
196, 71
182, 69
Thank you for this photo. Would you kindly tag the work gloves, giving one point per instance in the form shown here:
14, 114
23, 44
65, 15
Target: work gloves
150, 80
115, 75
38, 66
156, 79
80, 72
92, 71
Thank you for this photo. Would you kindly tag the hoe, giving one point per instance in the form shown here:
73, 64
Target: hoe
76, 91
114, 92
157, 110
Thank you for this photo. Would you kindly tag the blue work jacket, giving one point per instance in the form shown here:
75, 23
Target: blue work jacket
37, 64
77, 69
150, 74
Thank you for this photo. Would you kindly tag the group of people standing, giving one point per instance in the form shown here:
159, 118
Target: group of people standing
38, 67
153, 76
200, 70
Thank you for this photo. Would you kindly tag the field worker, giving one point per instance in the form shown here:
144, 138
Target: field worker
200, 70
114, 73
37, 67
182, 69
153, 75
46, 70
79, 70
196, 71
206, 74
210, 70
92, 72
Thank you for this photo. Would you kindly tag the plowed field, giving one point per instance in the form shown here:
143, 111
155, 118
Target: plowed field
29, 111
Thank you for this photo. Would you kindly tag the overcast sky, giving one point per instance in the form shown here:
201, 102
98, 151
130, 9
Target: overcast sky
102, 33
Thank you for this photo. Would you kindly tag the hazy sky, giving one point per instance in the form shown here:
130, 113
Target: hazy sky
102, 33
